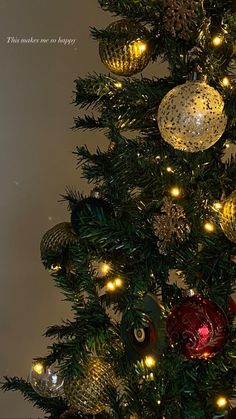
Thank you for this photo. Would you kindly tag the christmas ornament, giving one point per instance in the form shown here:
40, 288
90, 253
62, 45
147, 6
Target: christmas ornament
228, 217
89, 209
88, 394
147, 340
129, 52
55, 243
232, 306
191, 116
198, 326
170, 224
180, 17
46, 381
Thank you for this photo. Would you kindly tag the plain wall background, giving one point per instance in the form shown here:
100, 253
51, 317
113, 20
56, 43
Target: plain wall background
36, 84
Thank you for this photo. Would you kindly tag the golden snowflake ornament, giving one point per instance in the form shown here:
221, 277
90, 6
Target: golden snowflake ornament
170, 224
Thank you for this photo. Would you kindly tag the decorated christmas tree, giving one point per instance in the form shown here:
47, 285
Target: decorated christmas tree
147, 261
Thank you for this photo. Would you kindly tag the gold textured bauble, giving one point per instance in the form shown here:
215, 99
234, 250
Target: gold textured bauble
88, 394
228, 217
191, 116
129, 53
56, 240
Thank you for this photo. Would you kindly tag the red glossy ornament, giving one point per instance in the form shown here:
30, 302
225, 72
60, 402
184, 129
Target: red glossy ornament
198, 326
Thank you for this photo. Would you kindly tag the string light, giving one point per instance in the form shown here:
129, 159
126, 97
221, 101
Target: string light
217, 40
149, 361
111, 286
169, 169
55, 268
221, 402
38, 368
118, 85
118, 282
105, 268
175, 192
225, 82
209, 227
217, 206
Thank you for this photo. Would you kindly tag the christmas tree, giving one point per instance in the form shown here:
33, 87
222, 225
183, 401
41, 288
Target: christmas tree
147, 261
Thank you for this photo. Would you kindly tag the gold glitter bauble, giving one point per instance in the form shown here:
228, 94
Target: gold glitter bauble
129, 54
170, 224
191, 116
180, 17
57, 240
88, 394
228, 217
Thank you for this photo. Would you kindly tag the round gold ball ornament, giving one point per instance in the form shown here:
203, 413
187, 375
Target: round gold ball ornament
128, 53
55, 242
191, 116
88, 394
228, 217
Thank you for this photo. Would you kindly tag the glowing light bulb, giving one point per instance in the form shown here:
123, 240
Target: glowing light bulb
105, 268
225, 82
111, 286
175, 192
217, 40
221, 402
169, 169
217, 205
38, 368
118, 84
118, 282
55, 268
209, 227
150, 361
158, 402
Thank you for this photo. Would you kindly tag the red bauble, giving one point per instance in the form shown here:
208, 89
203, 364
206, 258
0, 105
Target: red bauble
198, 326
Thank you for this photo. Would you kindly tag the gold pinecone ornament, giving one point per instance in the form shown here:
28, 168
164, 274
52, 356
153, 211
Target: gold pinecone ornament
88, 394
228, 217
180, 17
128, 54
170, 224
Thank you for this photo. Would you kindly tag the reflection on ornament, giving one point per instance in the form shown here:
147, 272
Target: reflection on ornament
228, 217
46, 381
88, 394
128, 54
170, 224
191, 116
198, 326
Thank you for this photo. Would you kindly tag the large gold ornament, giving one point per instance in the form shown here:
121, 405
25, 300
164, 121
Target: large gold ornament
228, 217
170, 224
191, 116
56, 241
129, 54
88, 394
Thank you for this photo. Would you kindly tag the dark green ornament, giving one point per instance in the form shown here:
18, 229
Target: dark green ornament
148, 340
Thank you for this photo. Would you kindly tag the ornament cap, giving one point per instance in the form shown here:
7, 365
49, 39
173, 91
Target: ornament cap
198, 75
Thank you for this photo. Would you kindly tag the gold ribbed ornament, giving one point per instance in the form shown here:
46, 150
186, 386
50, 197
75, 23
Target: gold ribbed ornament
129, 54
228, 217
57, 240
88, 394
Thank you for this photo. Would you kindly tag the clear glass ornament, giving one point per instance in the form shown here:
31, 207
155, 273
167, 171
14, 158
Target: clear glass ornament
46, 381
191, 116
